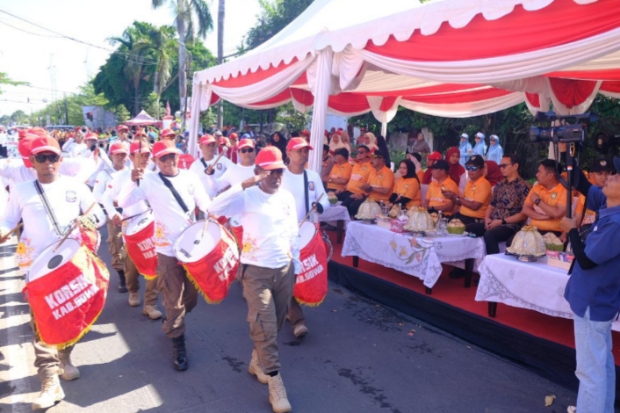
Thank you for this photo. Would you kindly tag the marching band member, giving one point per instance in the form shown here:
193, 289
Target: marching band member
47, 206
206, 166
173, 194
306, 187
128, 273
239, 172
270, 260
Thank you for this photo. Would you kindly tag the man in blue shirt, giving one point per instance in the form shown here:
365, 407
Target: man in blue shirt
465, 149
593, 292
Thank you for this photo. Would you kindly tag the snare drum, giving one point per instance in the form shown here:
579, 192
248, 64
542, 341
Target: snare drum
210, 257
66, 290
311, 284
138, 233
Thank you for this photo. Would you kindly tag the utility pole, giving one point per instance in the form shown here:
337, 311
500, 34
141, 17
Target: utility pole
66, 110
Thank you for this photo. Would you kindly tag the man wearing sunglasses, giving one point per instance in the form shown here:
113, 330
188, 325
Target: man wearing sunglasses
476, 196
269, 262
236, 173
67, 198
308, 192
173, 209
206, 166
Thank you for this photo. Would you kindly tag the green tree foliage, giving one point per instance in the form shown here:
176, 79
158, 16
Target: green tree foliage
19, 117
5, 80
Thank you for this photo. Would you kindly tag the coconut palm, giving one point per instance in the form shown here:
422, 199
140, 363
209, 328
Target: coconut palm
192, 18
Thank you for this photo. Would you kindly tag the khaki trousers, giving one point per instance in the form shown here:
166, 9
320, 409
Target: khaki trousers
115, 245
268, 292
132, 278
178, 294
295, 313
47, 358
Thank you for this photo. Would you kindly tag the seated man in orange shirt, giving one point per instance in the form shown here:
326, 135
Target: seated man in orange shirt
546, 203
359, 176
436, 200
476, 195
341, 171
379, 186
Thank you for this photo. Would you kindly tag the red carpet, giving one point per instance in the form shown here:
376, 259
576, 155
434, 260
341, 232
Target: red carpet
452, 292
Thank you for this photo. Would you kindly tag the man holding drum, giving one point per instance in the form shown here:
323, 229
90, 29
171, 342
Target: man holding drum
140, 153
236, 173
173, 194
307, 189
48, 206
208, 165
270, 260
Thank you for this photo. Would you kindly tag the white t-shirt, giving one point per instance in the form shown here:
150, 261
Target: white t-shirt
113, 188
16, 172
270, 233
198, 168
67, 198
234, 175
295, 185
170, 219
4, 199
78, 149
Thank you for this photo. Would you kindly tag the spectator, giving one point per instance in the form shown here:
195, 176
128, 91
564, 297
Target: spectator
493, 172
476, 196
419, 145
435, 200
546, 202
341, 171
369, 140
465, 149
327, 165
480, 148
278, 140
359, 176
378, 187
232, 150
385, 151
416, 158
430, 161
457, 172
407, 186
495, 152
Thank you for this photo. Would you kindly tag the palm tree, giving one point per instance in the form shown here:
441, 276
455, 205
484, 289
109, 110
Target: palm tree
221, 13
188, 14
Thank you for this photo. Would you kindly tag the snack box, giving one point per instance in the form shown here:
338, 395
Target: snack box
562, 260
397, 226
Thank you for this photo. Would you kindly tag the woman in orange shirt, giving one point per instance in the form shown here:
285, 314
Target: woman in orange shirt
407, 186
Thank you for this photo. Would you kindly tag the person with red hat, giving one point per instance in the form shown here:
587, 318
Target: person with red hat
76, 144
173, 194
269, 262
307, 189
48, 206
232, 149
236, 173
430, 160
168, 134
207, 165
129, 276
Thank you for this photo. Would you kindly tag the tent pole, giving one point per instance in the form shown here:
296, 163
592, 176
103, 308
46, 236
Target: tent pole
321, 91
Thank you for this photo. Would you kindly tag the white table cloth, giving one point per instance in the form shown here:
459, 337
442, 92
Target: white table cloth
413, 255
532, 285
335, 213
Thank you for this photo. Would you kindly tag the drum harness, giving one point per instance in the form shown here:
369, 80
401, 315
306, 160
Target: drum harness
176, 195
323, 234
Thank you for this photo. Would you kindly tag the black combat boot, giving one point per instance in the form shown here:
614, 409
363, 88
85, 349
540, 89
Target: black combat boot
179, 354
122, 286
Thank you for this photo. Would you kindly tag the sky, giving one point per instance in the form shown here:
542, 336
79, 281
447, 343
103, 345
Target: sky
41, 58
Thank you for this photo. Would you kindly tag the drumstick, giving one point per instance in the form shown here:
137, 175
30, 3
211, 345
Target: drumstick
216, 159
204, 227
72, 227
311, 210
139, 157
14, 229
133, 216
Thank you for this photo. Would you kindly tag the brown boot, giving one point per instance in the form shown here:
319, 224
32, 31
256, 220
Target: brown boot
277, 394
51, 393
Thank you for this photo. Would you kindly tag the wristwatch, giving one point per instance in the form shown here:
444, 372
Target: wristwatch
458, 200
504, 221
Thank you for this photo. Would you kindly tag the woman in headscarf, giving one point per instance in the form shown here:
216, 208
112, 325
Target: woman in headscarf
493, 173
368, 139
456, 169
337, 142
345, 140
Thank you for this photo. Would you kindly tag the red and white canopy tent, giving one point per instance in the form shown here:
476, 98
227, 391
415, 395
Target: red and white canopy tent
451, 58
142, 119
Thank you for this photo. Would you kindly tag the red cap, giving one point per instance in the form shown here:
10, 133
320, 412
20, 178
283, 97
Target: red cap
91, 137
77, 128
24, 147
207, 139
233, 136
222, 141
120, 128
245, 143
167, 132
305, 132
40, 132
436, 156
135, 147
119, 147
270, 158
44, 145
162, 148
298, 143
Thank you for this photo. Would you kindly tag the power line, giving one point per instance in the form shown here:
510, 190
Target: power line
26, 31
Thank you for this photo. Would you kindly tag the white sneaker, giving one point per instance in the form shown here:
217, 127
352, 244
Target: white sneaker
277, 394
255, 370
152, 311
134, 299
67, 370
300, 330
51, 393
571, 409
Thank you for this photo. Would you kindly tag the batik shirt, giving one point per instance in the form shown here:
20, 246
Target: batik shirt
508, 198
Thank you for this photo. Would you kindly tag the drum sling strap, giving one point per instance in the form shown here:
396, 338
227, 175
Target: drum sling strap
306, 195
176, 195
48, 208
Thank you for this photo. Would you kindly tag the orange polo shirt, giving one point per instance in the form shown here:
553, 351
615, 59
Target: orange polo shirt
340, 171
408, 188
590, 216
384, 179
359, 176
435, 197
479, 191
554, 197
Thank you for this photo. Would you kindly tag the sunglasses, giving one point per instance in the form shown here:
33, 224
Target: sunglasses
246, 150
503, 165
168, 157
472, 168
42, 158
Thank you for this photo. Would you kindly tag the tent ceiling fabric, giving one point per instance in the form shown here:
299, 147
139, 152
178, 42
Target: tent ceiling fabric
452, 58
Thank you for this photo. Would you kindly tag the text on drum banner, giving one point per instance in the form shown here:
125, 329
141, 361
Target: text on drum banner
71, 296
223, 266
310, 268
147, 247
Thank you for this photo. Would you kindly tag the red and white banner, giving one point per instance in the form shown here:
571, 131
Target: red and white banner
311, 283
141, 249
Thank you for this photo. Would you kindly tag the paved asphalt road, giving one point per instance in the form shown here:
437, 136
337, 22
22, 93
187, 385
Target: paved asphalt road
358, 358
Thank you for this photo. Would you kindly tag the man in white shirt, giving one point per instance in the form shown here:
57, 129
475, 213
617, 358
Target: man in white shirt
206, 166
269, 262
140, 153
66, 198
236, 173
307, 188
179, 295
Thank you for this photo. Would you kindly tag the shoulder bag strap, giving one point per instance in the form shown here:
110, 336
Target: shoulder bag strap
48, 208
306, 195
204, 163
174, 192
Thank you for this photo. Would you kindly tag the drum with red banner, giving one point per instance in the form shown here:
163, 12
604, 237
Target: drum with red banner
237, 231
311, 284
66, 289
208, 253
139, 233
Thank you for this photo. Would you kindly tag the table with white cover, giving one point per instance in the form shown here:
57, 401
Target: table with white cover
412, 254
531, 285
339, 215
